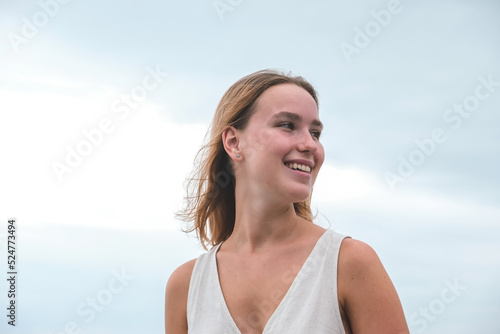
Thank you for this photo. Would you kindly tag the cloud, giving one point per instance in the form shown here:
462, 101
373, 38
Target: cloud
133, 179
343, 183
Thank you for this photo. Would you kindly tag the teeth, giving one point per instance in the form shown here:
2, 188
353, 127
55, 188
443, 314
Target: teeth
303, 168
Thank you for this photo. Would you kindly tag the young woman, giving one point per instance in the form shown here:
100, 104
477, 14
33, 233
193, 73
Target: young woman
270, 269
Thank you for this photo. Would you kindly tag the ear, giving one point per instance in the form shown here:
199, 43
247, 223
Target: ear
231, 142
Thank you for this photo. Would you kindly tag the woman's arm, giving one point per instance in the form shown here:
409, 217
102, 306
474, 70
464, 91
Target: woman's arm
368, 300
176, 294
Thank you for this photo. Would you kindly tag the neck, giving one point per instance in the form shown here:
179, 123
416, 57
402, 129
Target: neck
261, 223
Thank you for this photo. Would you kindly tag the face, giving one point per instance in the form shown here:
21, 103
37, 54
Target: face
281, 150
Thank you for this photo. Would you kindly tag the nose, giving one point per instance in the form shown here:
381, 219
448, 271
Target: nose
307, 143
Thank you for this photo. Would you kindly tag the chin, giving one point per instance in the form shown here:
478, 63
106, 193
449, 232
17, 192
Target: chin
300, 195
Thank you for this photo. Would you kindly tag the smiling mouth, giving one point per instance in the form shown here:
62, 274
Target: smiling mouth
300, 167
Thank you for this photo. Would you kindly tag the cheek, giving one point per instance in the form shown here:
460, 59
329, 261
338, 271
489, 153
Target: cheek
320, 154
257, 145
267, 141
263, 137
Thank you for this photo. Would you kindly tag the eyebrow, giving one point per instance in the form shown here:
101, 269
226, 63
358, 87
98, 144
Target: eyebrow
296, 117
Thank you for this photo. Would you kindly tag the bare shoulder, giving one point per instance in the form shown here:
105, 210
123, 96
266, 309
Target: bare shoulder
176, 293
181, 276
355, 256
367, 297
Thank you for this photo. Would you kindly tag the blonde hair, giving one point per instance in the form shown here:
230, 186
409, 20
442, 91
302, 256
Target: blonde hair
210, 190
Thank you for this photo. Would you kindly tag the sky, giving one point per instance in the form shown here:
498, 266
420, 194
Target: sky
103, 107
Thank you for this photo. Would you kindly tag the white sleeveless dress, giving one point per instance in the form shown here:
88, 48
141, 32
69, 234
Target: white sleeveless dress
310, 306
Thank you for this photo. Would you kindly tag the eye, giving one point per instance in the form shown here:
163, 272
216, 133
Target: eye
316, 134
286, 125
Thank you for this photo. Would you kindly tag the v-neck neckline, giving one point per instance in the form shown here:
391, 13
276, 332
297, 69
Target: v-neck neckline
283, 300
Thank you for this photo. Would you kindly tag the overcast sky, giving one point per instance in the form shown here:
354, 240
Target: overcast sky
103, 107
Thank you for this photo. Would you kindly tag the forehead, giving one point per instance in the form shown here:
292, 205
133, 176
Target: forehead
286, 97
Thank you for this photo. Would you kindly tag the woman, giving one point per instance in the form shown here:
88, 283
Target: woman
270, 268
